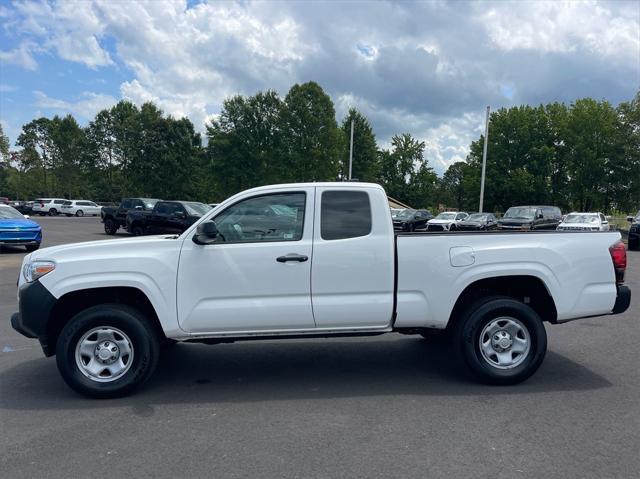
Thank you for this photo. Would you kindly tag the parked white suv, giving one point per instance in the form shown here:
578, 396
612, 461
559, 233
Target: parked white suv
446, 220
80, 208
584, 222
48, 206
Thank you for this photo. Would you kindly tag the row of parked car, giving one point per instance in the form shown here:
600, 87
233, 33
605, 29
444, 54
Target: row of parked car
57, 206
520, 218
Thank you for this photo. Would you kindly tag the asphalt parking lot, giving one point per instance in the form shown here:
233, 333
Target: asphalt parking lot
386, 406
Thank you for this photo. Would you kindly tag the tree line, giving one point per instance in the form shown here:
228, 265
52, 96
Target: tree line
585, 155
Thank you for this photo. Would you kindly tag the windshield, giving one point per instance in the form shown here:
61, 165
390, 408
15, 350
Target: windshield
405, 214
581, 218
446, 216
149, 203
9, 213
196, 209
477, 217
520, 212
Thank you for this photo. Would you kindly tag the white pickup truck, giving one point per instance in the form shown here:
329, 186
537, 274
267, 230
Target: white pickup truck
305, 260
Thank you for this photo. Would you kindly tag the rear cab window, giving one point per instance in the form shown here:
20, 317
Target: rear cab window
345, 214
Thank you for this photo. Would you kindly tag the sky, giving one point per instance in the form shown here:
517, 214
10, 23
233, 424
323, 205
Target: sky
427, 68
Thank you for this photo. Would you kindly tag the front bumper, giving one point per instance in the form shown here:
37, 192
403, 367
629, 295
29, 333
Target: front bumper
35, 305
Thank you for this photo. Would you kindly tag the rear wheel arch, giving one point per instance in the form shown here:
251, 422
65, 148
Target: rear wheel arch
72, 303
527, 289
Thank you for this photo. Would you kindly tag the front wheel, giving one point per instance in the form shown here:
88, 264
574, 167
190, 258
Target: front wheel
634, 244
107, 351
79, 213
137, 230
110, 226
32, 247
501, 340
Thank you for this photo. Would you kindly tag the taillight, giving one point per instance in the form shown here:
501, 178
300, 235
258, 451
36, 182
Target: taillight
619, 258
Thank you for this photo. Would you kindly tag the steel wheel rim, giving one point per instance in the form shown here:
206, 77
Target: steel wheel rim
104, 354
504, 343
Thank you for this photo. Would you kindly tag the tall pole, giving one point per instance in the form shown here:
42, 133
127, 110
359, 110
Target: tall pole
484, 159
351, 152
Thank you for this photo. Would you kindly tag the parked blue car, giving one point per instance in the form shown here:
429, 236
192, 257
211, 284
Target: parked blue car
18, 230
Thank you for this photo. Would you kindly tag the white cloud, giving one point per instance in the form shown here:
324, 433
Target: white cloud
85, 107
72, 29
4, 88
20, 56
425, 68
564, 27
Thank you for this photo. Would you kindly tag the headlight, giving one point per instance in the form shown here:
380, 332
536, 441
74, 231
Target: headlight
34, 270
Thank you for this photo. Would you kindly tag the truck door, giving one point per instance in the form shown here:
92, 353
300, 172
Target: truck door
352, 278
256, 276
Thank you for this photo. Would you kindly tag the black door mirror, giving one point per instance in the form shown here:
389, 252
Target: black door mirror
180, 215
540, 216
206, 233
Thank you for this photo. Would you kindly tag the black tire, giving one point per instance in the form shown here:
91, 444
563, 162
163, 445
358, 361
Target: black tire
137, 230
144, 342
53, 212
412, 228
32, 247
634, 244
110, 226
68, 215
471, 325
79, 213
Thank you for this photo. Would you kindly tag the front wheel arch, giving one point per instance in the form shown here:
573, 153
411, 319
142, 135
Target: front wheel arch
70, 304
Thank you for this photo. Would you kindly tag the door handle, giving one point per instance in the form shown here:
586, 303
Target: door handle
300, 258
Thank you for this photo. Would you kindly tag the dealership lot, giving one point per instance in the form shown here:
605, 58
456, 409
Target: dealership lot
358, 407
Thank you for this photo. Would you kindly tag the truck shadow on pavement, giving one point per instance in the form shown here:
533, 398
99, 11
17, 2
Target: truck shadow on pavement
290, 370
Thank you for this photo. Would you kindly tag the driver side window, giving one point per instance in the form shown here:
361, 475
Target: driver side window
274, 217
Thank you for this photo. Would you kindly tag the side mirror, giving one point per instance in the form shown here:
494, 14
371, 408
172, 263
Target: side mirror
180, 214
630, 219
26, 217
138, 207
540, 216
206, 233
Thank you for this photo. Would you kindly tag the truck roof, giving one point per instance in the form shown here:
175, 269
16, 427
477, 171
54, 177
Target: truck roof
323, 184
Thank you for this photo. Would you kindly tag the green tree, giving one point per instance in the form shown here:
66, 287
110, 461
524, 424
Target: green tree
312, 142
4, 161
405, 173
244, 143
365, 165
37, 143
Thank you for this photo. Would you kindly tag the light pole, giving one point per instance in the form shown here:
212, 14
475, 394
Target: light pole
351, 151
484, 159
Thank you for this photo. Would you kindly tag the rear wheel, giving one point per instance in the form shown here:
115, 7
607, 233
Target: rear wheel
53, 212
501, 340
634, 244
137, 230
79, 213
110, 226
107, 351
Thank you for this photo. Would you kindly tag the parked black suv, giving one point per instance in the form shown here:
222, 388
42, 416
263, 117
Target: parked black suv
114, 218
531, 218
411, 220
634, 232
478, 221
172, 217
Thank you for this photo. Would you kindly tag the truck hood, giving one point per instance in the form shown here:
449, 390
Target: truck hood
579, 225
136, 243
